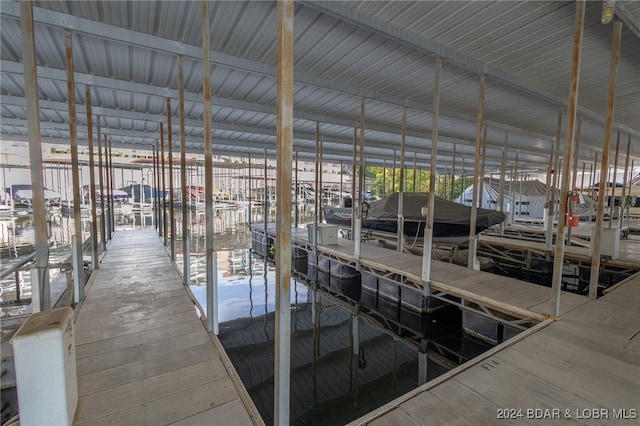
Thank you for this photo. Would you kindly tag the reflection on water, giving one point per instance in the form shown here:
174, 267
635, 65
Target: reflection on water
344, 363
347, 357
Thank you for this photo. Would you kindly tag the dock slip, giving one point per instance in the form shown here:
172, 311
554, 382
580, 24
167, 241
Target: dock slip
584, 369
143, 355
506, 295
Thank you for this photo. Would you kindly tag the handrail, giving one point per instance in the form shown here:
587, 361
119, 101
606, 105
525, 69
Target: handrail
22, 262
17, 266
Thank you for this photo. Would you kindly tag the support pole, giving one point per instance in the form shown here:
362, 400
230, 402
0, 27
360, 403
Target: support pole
41, 287
164, 186
78, 264
320, 182
249, 190
593, 185
318, 192
297, 209
503, 172
400, 217
384, 178
107, 188
484, 160
623, 199
428, 230
155, 205
103, 230
453, 174
92, 184
357, 202
558, 261
574, 175
353, 185
186, 258
473, 239
110, 188
608, 128
612, 200
284, 140
552, 178
172, 217
211, 256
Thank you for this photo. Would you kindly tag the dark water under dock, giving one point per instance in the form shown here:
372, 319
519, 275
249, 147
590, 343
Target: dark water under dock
331, 383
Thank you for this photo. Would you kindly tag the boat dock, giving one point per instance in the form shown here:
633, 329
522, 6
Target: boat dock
509, 296
143, 355
580, 366
583, 368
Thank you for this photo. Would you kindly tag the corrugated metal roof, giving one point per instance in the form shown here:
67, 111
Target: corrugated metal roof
127, 52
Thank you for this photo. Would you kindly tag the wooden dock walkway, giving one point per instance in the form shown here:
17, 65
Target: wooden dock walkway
503, 294
143, 355
584, 368
629, 256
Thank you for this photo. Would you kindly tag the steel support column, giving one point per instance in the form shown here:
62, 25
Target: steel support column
623, 198
353, 185
211, 255
551, 189
186, 258
503, 166
612, 199
358, 201
172, 216
284, 140
473, 239
103, 230
608, 128
558, 261
400, 216
78, 266
164, 186
92, 184
41, 286
428, 230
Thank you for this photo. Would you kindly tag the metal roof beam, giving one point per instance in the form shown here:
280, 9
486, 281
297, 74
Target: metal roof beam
627, 17
420, 147
346, 13
134, 38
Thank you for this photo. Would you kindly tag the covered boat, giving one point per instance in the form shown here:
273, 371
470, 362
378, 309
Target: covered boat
22, 196
451, 220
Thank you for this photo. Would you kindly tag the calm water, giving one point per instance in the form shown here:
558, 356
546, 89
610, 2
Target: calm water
331, 383
343, 364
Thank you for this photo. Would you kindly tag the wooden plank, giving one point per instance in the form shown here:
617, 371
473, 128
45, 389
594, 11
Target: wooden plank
146, 367
115, 400
433, 410
230, 413
590, 314
109, 320
172, 295
574, 373
396, 417
624, 323
139, 338
105, 361
463, 401
89, 336
511, 387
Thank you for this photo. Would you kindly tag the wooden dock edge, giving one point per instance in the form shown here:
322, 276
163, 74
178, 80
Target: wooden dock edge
245, 398
490, 303
380, 411
621, 283
237, 382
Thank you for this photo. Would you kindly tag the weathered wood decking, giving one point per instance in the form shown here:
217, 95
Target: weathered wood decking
143, 355
583, 369
504, 294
